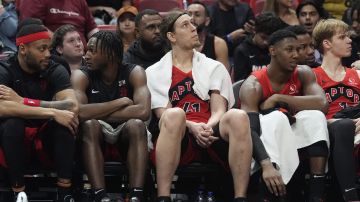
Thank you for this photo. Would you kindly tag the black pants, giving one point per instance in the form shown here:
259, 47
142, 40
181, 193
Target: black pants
57, 140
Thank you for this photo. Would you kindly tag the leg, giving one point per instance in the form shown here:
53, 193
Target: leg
135, 137
240, 148
12, 142
341, 135
168, 148
92, 155
62, 143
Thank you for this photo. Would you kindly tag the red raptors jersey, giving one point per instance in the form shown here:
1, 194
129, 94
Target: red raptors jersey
182, 95
292, 86
339, 94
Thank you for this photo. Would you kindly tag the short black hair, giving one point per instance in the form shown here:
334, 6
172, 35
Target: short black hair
280, 35
110, 45
30, 29
140, 15
322, 12
268, 23
297, 29
207, 12
29, 21
58, 37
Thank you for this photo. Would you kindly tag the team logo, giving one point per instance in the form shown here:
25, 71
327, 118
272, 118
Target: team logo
292, 89
122, 82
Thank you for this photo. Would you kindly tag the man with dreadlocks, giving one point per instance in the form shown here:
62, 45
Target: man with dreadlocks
114, 103
37, 106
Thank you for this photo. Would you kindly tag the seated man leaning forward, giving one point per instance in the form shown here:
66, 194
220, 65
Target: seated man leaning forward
114, 103
190, 94
284, 85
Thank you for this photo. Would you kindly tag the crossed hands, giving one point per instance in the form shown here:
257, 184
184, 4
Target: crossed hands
203, 133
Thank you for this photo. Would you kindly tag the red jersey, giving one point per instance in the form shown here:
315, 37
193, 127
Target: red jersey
182, 95
292, 86
339, 94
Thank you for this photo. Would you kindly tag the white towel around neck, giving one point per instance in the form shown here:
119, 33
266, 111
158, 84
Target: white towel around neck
208, 74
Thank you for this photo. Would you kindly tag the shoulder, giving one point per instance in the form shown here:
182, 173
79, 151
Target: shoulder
219, 41
251, 86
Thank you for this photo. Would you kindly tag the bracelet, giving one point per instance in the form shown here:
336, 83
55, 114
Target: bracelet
31, 102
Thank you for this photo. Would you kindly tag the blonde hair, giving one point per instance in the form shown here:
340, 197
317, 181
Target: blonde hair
325, 30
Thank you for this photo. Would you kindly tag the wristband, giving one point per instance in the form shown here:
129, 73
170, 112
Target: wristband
228, 38
31, 102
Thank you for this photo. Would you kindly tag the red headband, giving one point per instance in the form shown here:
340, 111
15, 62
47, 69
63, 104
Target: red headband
32, 37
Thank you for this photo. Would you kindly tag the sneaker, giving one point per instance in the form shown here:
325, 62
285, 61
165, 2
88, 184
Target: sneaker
66, 198
21, 197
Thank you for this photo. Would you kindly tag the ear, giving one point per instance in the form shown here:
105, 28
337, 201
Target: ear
59, 49
207, 21
326, 44
22, 49
272, 50
171, 37
137, 32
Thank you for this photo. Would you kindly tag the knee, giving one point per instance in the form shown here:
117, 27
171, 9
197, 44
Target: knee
136, 128
238, 121
90, 130
173, 119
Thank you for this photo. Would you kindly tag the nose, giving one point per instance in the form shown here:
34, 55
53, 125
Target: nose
87, 55
192, 26
47, 53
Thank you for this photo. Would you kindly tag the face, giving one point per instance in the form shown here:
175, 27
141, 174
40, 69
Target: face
261, 40
355, 21
285, 3
285, 53
340, 44
149, 30
305, 50
185, 34
36, 54
94, 58
308, 17
72, 46
198, 16
127, 23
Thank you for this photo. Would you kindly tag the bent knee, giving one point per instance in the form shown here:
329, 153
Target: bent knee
90, 130
173, 117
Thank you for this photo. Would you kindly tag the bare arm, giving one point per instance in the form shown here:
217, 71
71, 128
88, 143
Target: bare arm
14, 109
87, 111
250, 95
313, 95
221, 52
141, 98
218, 106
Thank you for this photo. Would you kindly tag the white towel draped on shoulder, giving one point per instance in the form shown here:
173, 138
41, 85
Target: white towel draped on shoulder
208, 74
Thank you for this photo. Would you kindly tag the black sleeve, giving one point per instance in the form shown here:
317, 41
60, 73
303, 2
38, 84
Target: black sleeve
259, 151
242, 67
5, 77
59, 78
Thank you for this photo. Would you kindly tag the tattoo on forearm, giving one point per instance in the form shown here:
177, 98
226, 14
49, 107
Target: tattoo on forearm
62, 105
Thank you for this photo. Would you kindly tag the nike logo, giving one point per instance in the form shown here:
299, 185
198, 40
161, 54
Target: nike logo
251, 56
137, 189
31, 102
94, 91
347, 190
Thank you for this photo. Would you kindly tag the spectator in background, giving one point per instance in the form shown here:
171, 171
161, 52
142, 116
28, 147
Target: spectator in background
282, 9
253, 54
105, 11
149, 47
56, 13
66, 42
126, 25
231, 20
309, 13
212, 46
355, 22
306, 47
8, 26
